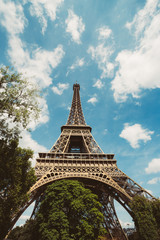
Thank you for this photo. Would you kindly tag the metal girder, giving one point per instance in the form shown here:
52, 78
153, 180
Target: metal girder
111, 220
20, 211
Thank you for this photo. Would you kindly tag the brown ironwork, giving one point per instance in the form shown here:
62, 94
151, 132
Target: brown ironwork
76, 155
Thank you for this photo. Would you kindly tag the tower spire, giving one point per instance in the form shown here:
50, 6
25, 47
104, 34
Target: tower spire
76, 114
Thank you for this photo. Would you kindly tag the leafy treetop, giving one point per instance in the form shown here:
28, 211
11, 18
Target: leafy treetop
18, 100
68, 211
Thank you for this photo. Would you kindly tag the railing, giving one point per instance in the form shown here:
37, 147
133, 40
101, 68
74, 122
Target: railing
76, 156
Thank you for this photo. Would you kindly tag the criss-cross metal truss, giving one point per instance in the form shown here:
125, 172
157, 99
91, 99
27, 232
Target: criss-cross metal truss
76, 114
76, 155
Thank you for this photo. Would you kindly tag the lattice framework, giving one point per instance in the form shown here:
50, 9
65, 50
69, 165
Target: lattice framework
76, 155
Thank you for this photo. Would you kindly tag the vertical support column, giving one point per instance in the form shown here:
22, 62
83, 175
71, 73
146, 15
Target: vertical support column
111, 220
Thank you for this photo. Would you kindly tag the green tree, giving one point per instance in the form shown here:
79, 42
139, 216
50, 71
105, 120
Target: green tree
144, 219
18, 105
133, 236
156, 213
26, 232
16, 178
68, 211
18, 102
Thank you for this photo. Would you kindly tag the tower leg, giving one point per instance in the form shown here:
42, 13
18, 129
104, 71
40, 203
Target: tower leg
111, 220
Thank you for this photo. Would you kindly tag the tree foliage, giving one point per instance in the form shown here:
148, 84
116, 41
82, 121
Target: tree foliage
18, 101
146, 218
18, 105
16, 178
156, 213
68, 212
28, 231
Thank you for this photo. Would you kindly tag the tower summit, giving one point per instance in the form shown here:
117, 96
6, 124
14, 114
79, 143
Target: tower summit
76, 155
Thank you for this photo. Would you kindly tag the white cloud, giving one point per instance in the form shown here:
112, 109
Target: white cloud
12, 17
75, 26
78, 63
43, 9
27, 142
102, 52
98, 84
92, 100
153, 166
139, 69
60, 89
44, 114
37, 63
134, 134
104, 32
38, 66
143, 18
154, 180
101, 55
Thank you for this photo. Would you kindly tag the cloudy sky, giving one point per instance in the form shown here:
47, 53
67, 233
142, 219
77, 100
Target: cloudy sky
112, 49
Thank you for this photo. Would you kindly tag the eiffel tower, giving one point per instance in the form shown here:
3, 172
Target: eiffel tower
76, 155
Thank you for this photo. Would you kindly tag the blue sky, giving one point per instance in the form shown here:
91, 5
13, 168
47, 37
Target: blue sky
112, 49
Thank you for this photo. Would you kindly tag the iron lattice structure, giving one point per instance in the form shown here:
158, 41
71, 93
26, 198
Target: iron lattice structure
77, 155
